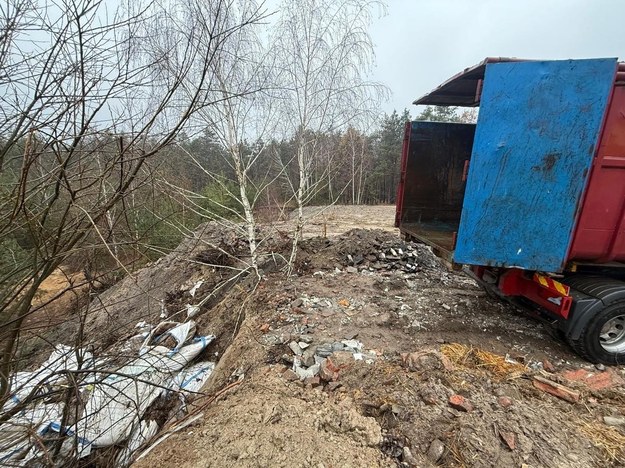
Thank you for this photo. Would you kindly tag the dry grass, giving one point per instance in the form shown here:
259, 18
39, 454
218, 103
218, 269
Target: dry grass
606, 438
455, 456
475, 358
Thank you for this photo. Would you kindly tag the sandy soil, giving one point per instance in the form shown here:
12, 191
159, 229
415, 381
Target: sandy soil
389, 410
337, 219
430, 338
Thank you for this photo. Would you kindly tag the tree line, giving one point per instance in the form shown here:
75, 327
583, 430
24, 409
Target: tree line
126, 124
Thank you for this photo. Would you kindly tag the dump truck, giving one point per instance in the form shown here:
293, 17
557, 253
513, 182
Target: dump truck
530, 200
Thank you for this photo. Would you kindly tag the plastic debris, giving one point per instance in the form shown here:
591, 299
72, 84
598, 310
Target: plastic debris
195, 287
179, 332
191, 379
140, 434
192, 310
116, 396
354, 345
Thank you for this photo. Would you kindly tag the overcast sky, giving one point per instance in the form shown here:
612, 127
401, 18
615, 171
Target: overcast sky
421, 43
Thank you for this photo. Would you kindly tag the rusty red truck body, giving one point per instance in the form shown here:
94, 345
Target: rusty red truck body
531, 198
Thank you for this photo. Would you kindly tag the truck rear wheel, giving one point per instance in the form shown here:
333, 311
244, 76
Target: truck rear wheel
603, 338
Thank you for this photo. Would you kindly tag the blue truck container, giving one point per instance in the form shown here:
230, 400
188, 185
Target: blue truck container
519, 198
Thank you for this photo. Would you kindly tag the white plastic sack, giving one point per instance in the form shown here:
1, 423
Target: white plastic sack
48, 374
191, 379
118, 402
18, 437
140, 434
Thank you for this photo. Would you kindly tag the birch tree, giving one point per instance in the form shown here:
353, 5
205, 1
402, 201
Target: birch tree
75, 76
326, 56
355, 146
244, 113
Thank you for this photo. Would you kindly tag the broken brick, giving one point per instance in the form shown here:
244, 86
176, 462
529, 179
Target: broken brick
594, 380
509, 438
329, 371
460, 403
560, 391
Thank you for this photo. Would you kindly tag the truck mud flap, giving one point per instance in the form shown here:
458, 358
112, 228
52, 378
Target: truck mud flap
590, 295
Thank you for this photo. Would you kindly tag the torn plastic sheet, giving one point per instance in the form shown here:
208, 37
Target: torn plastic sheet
192, 310
180, 332
116, 399
191, 379
195, 287
119, 401
48, 374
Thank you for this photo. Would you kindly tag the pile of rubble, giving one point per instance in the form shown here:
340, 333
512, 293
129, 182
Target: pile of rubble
404, 258
316, 364
365, 250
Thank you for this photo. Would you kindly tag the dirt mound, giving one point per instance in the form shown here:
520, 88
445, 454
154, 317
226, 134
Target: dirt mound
414, 407
367, 406
310, 369
268, 423
365, 249
191, 279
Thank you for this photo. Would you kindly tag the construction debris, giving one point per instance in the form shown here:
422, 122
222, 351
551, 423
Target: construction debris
504, 401
595, 380
381, 367
556, 389
509, 438
116, 396
460, 403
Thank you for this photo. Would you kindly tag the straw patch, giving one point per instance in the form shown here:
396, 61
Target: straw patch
606, 438
475, 358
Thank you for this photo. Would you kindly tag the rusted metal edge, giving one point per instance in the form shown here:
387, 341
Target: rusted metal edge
475, 68
430, 98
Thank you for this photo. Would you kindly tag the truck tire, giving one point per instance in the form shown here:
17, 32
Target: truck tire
603, 338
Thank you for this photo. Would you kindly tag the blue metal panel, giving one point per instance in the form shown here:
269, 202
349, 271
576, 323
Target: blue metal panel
536, 135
